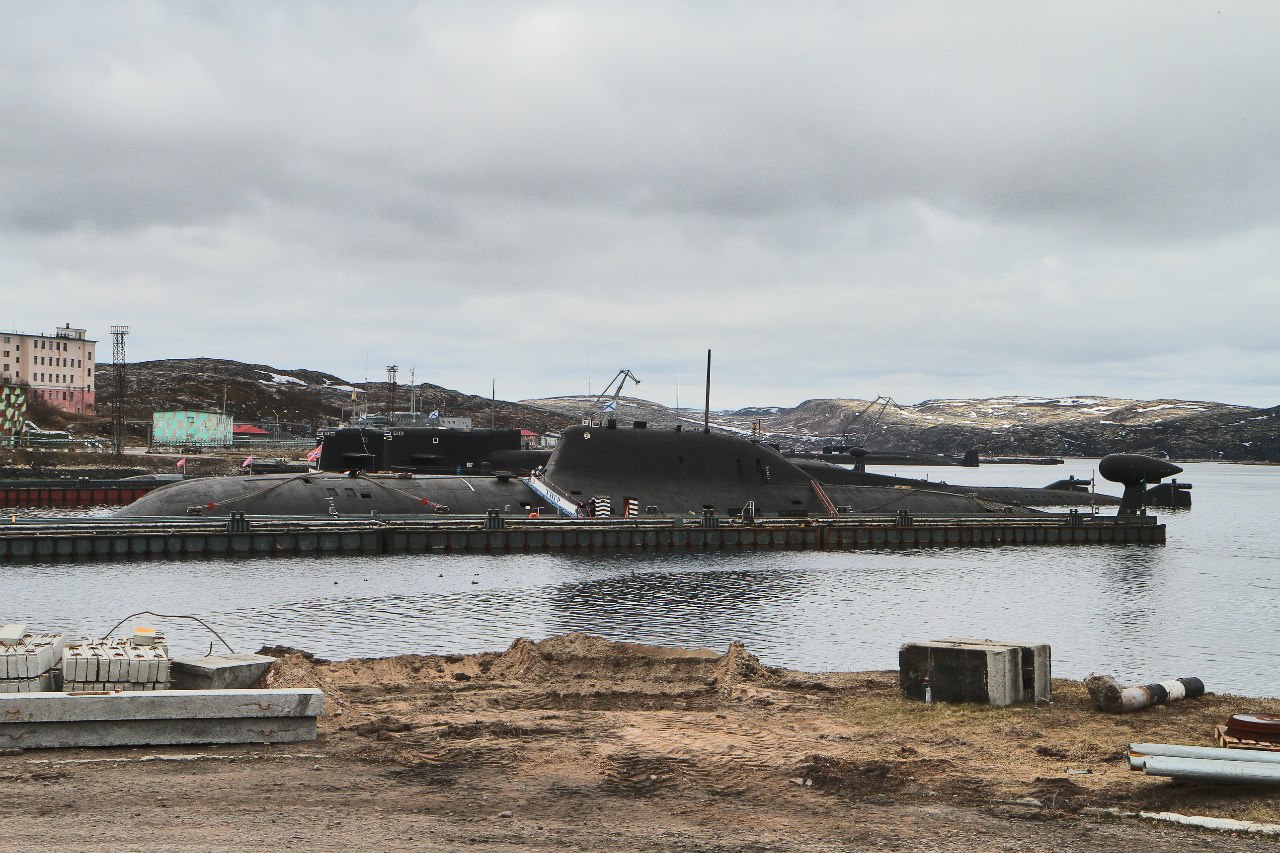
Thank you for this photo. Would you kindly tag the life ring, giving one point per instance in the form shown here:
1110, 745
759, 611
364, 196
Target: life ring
534, 514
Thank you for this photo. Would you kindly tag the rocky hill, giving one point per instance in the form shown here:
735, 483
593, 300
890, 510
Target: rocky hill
1015, 426
305, 398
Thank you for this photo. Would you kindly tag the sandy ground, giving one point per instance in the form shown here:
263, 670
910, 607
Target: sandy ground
576, 743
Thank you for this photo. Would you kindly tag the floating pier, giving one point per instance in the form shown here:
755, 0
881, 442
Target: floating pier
78, 492
106, 539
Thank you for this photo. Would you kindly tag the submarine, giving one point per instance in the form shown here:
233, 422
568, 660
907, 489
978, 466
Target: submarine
594, 469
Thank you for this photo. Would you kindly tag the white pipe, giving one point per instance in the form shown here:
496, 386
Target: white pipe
1138, 752
1222, 824
1211, 770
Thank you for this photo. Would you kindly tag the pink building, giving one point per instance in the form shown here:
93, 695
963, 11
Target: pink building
58, 368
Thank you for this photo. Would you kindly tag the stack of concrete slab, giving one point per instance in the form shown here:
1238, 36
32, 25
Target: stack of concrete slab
27, 660
115, 665
989, 672
48, 720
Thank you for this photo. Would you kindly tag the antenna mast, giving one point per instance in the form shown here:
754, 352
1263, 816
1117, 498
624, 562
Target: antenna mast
392, 370
706, 411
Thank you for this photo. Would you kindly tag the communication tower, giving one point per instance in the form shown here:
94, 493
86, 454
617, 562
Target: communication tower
120, 381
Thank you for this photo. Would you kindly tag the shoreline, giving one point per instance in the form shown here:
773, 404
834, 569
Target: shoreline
577, 742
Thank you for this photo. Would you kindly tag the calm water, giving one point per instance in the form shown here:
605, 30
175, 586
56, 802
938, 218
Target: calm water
1204, 605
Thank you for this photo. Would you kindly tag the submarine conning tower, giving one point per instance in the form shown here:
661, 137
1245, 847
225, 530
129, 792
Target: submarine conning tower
1135, 471
660, 458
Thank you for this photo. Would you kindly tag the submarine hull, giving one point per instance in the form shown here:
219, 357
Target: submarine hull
325, 494
653, 472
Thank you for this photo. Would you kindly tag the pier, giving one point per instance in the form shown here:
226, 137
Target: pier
77, 492
111, 539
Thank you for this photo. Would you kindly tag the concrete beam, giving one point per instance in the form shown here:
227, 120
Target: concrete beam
46, 720
160, 705
157, 732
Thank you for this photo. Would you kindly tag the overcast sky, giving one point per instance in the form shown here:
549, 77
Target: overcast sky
840, 199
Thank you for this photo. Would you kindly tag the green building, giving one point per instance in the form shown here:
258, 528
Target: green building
190, 429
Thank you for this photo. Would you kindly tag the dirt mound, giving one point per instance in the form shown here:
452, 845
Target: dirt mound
587, 656
522, 661
738, 665
579, 646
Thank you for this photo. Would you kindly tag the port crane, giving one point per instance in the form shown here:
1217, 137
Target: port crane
865, 420
599, 406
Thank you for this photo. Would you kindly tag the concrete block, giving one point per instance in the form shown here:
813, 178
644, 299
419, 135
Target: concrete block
90, 664
1037, 665
219, 672
11, 635
31, 656
986, 674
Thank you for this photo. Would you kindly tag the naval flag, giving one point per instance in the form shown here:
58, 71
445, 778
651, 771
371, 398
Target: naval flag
315, 454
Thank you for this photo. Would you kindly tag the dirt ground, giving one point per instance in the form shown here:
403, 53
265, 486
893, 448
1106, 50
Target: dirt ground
576, 743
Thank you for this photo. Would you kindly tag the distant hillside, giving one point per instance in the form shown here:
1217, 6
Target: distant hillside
259, 392
1039, 426
629, 409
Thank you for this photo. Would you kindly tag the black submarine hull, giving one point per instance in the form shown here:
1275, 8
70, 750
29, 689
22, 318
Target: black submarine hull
426, 450
658, 472
1022, 496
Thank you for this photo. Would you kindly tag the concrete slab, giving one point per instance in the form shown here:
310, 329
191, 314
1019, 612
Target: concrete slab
157, 732
219, 672
158, 705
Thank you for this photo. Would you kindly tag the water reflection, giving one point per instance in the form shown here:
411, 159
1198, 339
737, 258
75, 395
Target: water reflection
711, 607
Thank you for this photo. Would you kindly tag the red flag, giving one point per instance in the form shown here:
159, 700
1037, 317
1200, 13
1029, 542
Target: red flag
315, 454
182, 463
248, 460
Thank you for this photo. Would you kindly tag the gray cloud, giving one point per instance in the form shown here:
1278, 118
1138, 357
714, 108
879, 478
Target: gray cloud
922, 199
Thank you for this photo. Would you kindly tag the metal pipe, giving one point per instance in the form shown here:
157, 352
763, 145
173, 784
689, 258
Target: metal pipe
1140, 752
1109, 696
1209, 770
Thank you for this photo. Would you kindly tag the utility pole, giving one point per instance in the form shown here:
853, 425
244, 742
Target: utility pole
119, 369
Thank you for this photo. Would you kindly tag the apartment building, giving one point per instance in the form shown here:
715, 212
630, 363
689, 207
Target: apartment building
58, 368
